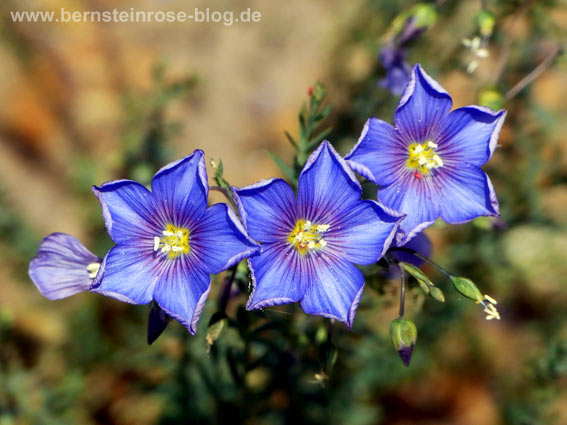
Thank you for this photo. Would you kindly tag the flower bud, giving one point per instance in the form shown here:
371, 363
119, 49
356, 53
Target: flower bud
437, 294
404, 334
467, 287
485, 22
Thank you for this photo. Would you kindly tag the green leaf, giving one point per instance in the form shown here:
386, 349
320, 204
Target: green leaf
291, 140
283, 166
314, 142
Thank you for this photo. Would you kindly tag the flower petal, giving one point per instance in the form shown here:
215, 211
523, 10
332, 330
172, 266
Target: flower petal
422, 108
267, 209
379, 152
182, 189
129, 275
128, 210
182, 292
279, 276
220, 241
365, 232
418, 198
334, 290
157, 322
467, 194
470, 135
59, 269
326, 185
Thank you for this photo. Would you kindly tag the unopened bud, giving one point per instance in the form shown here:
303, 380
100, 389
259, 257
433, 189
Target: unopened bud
467, 287
491, 98
404, 334
485, 22
424, 14
437, 294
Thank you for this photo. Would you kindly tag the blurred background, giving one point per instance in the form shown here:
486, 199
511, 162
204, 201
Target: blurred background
83, 103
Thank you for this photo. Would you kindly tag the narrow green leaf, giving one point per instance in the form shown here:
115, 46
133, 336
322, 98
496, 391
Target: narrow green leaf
291, 140
283, 166
314, 142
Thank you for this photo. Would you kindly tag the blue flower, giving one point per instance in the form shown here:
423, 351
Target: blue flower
311, 243
428, 165
167, 241
393, 59
63, 267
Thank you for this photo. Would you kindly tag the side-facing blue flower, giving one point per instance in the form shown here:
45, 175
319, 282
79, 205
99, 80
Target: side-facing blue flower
311, 243
167, 241
63, 267
428, 165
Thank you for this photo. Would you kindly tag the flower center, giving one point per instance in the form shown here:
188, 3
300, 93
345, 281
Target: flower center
92, 268
422, 157
174, 241
307, 236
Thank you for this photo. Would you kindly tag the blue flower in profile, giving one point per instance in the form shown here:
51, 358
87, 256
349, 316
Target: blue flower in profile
167, 241
311, 243
63, 267
428, 165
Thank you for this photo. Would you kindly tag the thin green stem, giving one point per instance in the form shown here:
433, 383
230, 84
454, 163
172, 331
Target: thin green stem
402, 291
422, 257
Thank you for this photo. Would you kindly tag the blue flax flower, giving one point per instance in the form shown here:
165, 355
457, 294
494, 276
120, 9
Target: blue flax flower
428, 165
311, 243
167, 241
63, 267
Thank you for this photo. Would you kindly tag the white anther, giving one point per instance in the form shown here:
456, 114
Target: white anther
307, 225
179, 234
422, 160
432, 145
429, 165
418, 149
323, 242
311, 245
166, 248
481, 53
157, 242
490, 299
177, 248
167, 233
438, 160
322, 228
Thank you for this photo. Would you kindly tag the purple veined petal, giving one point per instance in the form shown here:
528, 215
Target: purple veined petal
279, 276
326, 186
334, 290
219, 240
267, 209
128, 210
379, 153
470, 134
419, 198
467, 194
182, 291
129, 274
364, 233
422, 109
59, 269
181, 189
